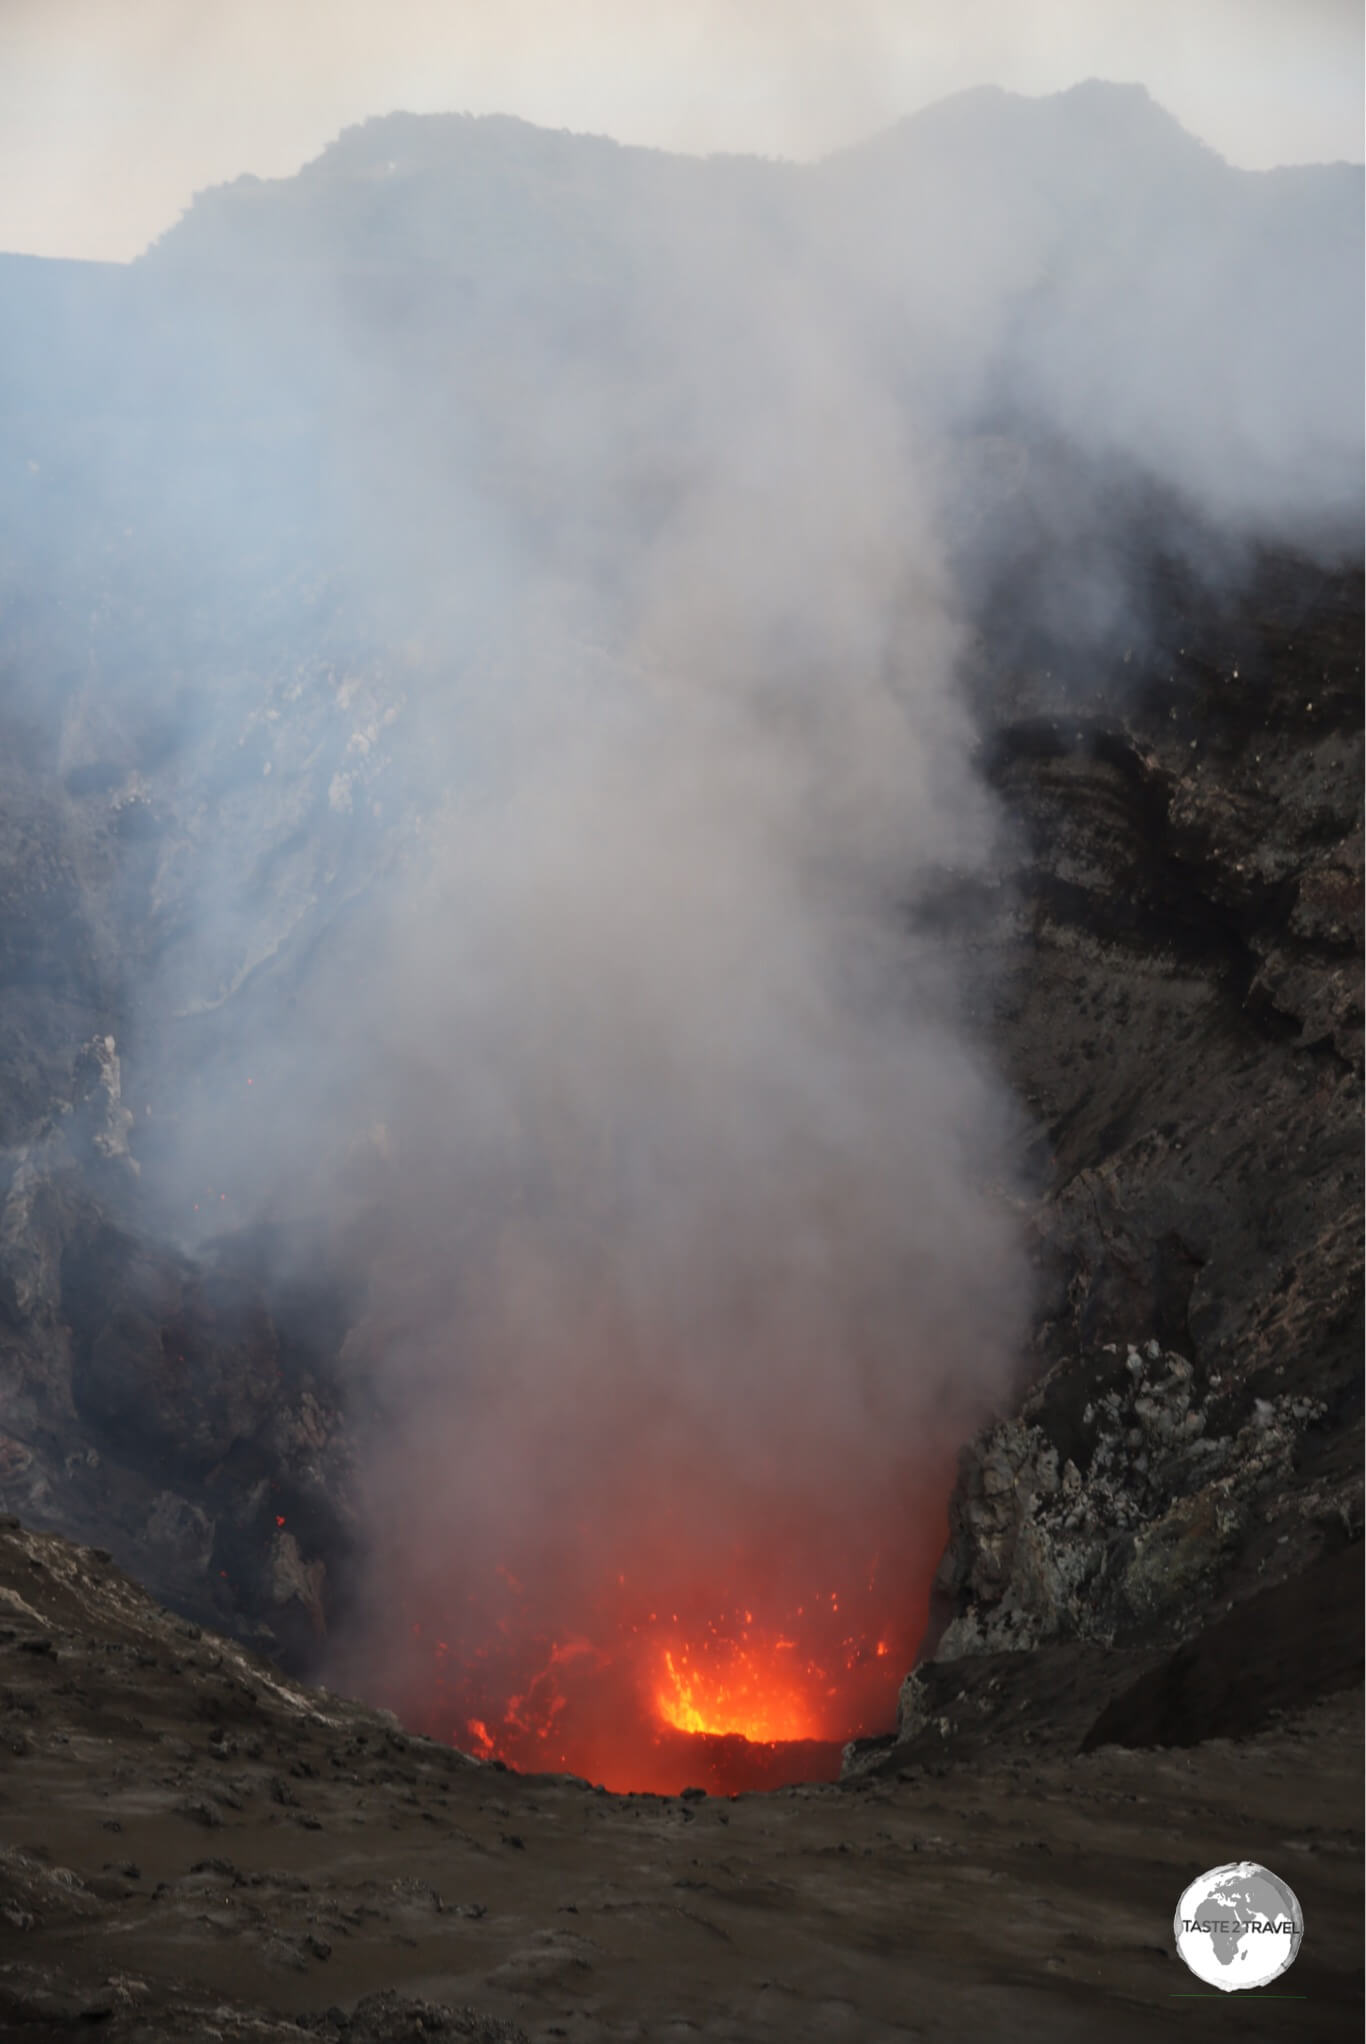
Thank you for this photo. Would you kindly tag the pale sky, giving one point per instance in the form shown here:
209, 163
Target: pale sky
114, 112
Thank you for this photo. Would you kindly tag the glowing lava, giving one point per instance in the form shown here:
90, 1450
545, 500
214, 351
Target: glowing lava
749, 1695
644, 1698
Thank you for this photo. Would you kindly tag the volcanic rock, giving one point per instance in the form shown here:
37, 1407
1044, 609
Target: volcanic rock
1186, 1026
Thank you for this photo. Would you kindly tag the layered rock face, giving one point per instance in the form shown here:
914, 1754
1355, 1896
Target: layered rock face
181, 1409
1185, 1022
166, 1408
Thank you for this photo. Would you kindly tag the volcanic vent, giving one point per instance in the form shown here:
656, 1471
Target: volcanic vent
640, 1691
653, 1551
690, 1265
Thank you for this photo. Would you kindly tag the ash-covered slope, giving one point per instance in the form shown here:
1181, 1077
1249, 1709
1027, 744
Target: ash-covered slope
291, 510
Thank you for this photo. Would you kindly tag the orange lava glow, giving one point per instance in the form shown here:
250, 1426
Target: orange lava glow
640, 1697
750, 1694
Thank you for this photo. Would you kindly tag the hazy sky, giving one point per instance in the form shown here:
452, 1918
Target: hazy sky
114, 112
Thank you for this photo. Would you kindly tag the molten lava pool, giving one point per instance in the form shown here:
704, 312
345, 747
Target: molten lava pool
659, 1700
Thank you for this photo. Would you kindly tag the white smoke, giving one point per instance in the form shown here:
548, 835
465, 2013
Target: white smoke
532, 619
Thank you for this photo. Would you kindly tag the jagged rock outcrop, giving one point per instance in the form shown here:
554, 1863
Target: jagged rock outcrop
1119, 1541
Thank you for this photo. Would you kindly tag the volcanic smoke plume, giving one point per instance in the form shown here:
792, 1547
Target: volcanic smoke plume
532, 654
694, 1267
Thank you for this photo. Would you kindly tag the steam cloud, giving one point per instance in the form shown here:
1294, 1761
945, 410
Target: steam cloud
553, 638
713, 1153
679, 1108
